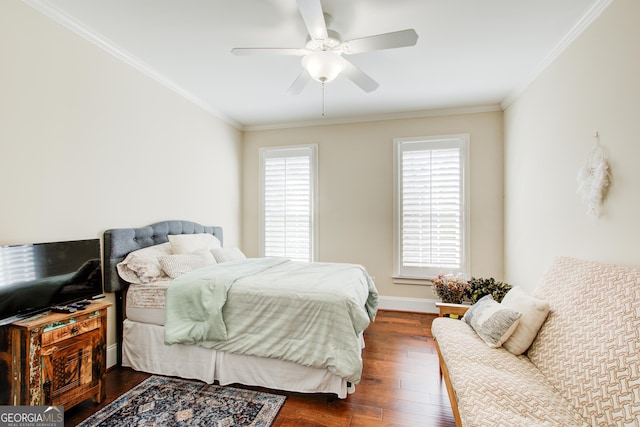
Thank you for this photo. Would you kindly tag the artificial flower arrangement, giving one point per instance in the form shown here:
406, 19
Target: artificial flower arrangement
450, 289
481, 287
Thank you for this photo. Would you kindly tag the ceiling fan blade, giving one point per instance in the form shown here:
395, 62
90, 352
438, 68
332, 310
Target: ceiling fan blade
242, 51
311, 11
359, 77
402, 38
299, 84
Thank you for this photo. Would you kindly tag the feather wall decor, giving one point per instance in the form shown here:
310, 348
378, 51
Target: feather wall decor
594, 179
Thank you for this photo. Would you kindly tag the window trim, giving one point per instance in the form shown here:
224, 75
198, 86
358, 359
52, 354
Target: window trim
398, 275
266, 152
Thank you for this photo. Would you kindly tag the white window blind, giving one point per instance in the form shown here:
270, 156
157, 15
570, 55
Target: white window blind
288, 193
431, 235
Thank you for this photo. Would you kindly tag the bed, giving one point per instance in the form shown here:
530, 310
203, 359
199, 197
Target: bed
264, 322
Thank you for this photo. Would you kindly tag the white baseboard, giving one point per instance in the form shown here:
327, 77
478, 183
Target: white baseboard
417, 305
112, 355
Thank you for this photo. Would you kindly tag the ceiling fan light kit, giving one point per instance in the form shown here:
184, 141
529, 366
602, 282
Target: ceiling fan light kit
323, 66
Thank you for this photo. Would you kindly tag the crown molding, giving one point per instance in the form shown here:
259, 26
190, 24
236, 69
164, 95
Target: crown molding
108, 45
592, 14
381, 117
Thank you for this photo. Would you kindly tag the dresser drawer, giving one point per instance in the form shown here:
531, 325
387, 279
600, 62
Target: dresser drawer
70, 330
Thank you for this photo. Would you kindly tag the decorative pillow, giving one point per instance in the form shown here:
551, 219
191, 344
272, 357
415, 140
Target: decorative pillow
142, 266
189, 243
177, 264
224, 254
491, 321
534, 313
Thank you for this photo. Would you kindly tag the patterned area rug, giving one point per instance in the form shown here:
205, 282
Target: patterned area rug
162, 401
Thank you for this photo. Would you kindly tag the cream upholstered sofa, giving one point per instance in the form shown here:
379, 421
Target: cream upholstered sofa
582, 369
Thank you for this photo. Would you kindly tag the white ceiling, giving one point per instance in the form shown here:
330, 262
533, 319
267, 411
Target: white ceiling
471, 54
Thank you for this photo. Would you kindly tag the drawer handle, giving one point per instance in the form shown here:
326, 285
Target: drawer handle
74, 330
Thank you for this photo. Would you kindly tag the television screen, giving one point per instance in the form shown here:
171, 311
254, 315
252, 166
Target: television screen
34, 277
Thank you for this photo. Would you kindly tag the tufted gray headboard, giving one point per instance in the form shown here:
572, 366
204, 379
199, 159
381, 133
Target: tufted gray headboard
118, 242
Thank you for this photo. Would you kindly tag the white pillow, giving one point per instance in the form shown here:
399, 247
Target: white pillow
189, 243
142, 266
224, 254
493, 322
177, 264
534, 312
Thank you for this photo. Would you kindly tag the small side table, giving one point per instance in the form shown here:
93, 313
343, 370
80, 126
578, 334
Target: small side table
454, 311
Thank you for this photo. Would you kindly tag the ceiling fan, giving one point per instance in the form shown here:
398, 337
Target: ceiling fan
322, 56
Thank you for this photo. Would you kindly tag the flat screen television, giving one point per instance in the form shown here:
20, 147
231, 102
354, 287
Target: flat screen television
37, 276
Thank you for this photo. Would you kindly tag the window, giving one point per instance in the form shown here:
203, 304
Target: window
431, 207
288, 184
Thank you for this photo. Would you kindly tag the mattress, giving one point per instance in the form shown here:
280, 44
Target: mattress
145, 303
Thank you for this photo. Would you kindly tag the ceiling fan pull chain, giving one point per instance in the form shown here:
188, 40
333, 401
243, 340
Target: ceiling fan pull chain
322, 99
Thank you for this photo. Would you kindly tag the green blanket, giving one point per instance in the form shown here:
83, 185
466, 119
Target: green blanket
307, 313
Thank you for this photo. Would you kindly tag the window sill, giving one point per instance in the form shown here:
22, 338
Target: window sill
404, 280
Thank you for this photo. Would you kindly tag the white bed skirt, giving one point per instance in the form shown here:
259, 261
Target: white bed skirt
143, 349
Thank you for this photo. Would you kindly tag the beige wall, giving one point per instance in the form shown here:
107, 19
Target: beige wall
593, 86
355, 184
89, 143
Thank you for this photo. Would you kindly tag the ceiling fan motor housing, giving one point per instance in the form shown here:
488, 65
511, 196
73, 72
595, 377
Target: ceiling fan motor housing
331, 43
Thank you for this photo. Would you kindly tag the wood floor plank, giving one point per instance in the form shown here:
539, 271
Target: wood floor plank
400, 386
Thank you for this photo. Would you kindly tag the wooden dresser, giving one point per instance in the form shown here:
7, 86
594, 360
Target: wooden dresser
54, 358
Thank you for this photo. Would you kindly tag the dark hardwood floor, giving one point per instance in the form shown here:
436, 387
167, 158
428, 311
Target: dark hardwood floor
400, 386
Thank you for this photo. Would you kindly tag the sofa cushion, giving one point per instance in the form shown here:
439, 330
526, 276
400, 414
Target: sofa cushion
492, 322
534, 312
495, 387
589, 347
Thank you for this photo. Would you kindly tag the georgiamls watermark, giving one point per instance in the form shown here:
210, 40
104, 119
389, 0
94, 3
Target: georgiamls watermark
31, 416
